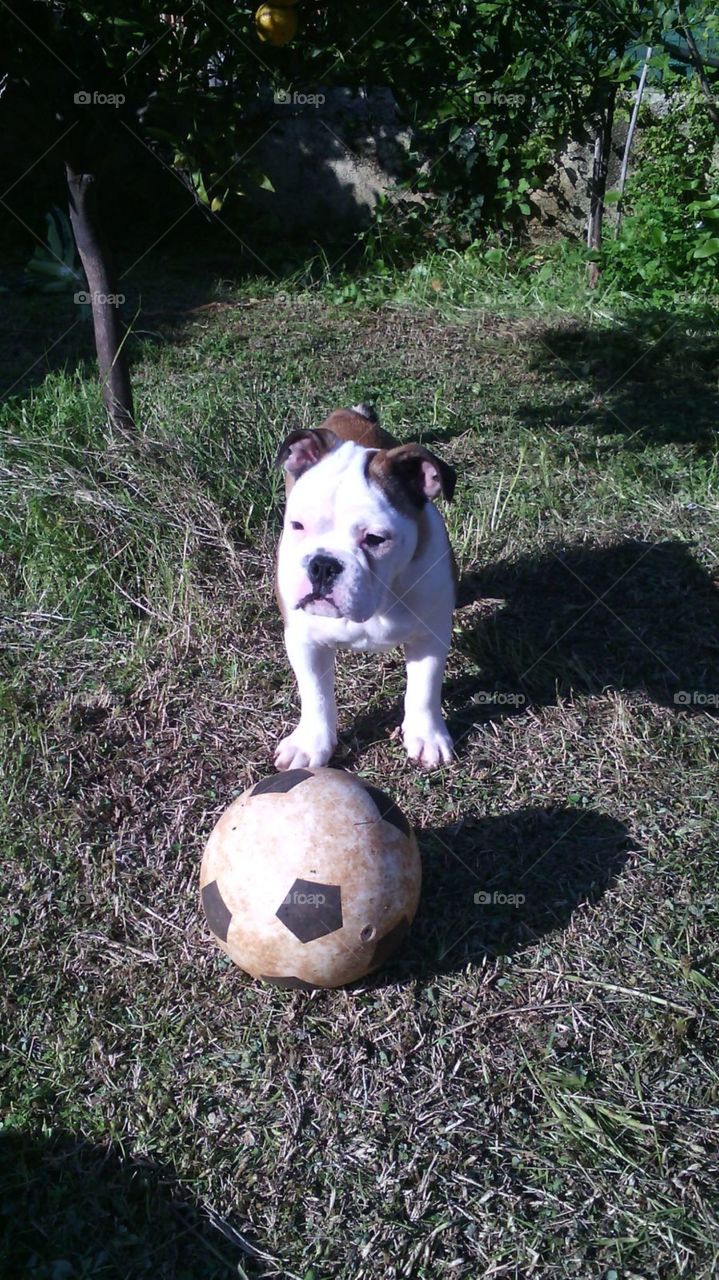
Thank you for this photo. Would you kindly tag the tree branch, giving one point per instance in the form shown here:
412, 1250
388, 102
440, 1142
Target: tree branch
698, 64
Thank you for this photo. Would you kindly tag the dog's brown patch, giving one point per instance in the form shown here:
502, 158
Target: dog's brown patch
410, 475
349, 425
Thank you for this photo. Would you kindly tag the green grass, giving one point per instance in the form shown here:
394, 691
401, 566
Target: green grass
530, 1089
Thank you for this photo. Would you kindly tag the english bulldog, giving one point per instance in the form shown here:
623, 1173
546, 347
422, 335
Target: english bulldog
364, 563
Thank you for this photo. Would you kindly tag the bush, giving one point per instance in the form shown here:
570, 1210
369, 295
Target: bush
669, 237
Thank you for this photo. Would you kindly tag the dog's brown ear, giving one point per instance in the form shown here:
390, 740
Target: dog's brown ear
300, 450
414, 472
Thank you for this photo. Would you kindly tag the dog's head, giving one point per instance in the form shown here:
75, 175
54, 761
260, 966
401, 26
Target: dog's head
352, 520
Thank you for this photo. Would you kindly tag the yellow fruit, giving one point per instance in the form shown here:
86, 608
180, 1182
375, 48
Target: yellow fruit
276, 23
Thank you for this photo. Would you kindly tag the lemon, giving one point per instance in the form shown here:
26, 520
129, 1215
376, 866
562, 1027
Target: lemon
276, 23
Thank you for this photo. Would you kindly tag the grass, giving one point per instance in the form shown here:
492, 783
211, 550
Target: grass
531, 1089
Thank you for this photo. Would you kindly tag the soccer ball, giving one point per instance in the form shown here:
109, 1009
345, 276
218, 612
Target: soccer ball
311, 878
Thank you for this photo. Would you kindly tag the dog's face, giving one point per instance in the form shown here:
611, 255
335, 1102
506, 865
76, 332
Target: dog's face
352, 522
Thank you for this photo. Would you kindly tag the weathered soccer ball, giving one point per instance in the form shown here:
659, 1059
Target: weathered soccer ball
311, 878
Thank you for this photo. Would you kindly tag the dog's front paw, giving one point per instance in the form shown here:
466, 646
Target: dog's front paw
427, 740
304, 749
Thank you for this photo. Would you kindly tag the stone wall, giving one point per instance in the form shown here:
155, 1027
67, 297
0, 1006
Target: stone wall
330, 154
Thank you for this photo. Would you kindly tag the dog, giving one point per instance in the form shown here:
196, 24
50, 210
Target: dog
364, 563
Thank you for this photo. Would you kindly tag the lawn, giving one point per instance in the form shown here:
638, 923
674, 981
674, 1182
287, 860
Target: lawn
531, 1088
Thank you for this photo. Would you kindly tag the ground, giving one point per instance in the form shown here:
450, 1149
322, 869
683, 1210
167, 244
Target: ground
531, 1088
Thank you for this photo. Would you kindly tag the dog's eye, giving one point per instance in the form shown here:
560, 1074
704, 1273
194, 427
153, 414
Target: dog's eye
295, 524
374, 539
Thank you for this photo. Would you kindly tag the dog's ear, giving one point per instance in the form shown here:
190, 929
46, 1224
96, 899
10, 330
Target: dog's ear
300, 450
414, 472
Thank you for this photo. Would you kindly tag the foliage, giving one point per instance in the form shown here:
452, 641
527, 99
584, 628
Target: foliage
490, 89
488, 86
670, 238
53, 267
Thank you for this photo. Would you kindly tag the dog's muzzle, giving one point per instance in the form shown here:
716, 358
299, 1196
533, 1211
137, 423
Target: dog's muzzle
323, 571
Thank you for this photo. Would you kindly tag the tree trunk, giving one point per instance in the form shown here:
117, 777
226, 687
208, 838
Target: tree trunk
600, 168
108, 326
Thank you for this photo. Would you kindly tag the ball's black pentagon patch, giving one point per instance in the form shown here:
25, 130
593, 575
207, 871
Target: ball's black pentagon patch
390, 811
389, 943
311, 910
291, 984
216, 909
279, 782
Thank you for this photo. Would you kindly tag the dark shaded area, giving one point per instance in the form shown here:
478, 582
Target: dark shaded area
494, 885
168, 250
635, 616
70, 1209
651, 380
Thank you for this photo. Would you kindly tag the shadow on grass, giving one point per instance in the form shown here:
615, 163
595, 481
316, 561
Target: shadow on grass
168, 255
69, 1208
494, 885
635, 616
651, 380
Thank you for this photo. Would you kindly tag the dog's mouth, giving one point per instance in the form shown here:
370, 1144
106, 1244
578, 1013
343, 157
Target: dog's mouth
323, 606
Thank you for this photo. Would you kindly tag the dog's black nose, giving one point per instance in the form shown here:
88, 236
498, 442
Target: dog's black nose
322, 572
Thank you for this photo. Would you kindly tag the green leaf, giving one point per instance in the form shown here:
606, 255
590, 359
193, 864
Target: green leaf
708, 248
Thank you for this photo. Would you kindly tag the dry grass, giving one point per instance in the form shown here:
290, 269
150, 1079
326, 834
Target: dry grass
531, 1090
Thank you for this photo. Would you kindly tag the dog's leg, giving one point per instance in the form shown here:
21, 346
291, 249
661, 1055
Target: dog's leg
424, 731
315, 737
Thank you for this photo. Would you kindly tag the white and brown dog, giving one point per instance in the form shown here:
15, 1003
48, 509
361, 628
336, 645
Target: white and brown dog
364, 563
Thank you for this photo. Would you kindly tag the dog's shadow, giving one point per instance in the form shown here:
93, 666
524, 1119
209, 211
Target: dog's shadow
578, 620
495, 885
634, 616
